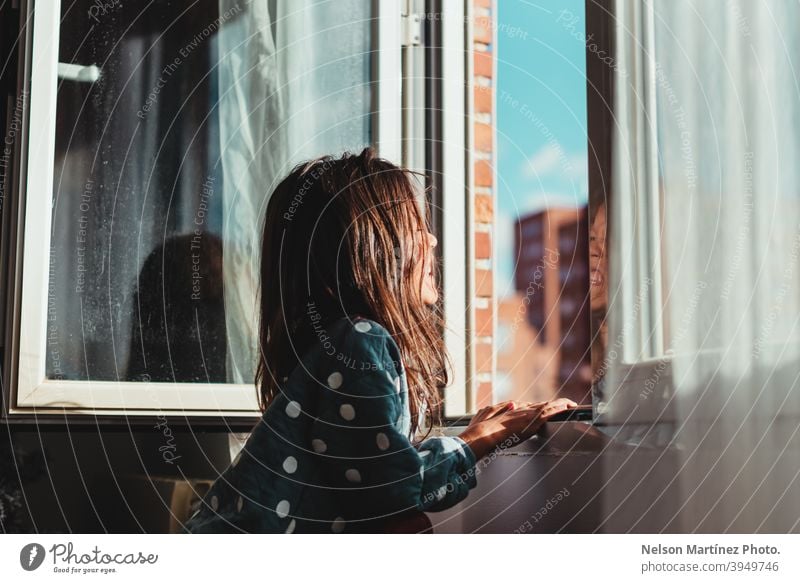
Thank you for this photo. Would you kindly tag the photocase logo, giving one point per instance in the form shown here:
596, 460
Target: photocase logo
31, 556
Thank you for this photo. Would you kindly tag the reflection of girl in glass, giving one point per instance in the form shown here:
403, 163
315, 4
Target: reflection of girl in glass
598, 290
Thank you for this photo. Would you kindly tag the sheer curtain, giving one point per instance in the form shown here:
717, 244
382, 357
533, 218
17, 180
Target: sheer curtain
252, 102
728, 119
294, 84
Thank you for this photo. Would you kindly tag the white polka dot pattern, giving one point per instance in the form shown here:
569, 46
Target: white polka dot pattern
290, 528
214, 503
338, 524
282, 509
239, 504
335, 380
290, 465
363, 327
353, 476
318, 445
293, 409
347, 412
382, 441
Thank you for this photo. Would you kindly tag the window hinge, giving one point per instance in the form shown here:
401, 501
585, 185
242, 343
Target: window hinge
412, 30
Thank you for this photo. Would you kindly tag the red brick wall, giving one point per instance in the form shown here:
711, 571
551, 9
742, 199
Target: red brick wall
483, 188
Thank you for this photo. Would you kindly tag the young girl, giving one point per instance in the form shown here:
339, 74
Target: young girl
351, 362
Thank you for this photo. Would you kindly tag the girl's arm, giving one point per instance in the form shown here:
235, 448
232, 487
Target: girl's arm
357, 440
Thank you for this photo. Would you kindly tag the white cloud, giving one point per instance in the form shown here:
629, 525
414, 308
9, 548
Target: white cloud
543, 161
552, 160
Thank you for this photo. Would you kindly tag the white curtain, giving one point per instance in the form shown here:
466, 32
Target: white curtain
251, 101
293, 84
728, 119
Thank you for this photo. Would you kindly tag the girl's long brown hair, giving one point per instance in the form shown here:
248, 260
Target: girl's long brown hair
335, 243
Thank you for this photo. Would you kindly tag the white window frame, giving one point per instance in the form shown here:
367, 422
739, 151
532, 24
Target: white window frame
635, 212
455, 238
457, 224
31, 391
636, 310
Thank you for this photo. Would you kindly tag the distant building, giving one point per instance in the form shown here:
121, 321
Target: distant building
525, 368
543, 332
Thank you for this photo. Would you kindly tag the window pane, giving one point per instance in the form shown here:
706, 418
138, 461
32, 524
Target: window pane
541, 254
174, 122
728, 139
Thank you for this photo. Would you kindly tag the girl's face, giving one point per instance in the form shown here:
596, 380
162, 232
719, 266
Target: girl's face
423, 276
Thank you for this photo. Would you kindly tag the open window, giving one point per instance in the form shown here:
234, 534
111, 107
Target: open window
152, 138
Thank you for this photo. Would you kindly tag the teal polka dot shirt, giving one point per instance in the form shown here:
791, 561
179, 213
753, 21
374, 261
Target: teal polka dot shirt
332, 452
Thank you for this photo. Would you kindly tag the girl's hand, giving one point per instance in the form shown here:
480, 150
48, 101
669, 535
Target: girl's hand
496, 423
492, 410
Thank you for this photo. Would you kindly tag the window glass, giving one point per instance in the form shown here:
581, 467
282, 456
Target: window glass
541, 257
727, 139
174, 122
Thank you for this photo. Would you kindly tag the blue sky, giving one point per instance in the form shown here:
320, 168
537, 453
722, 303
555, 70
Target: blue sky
541, 115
